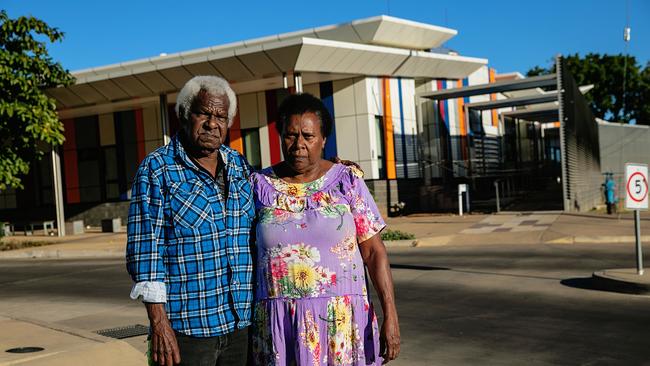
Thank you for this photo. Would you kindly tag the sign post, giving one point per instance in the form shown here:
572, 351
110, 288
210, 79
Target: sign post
462, 188
636, 198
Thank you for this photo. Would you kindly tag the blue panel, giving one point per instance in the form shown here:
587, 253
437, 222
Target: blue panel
401, 118
327, 96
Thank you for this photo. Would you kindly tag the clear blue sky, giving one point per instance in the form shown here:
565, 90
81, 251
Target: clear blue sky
513, 35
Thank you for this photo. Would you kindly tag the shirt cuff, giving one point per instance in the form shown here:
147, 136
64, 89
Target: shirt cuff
150, 291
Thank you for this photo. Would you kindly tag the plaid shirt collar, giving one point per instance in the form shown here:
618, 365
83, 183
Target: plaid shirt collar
227, 156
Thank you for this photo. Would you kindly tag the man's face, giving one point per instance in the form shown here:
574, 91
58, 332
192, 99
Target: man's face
207, 126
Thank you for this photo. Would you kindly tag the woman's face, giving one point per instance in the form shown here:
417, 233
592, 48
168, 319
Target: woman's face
302, 141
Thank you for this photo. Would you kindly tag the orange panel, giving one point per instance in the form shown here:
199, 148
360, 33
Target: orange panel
495, 118
391, 172
236, 141
461, 112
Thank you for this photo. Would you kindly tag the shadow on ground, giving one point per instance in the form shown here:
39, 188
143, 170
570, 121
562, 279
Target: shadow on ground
590, 283
418, 268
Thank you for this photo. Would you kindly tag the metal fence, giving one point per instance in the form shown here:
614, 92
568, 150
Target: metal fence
581, 173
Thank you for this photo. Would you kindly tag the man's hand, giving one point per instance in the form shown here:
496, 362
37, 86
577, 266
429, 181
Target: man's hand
164, 348
337, 160
389, 340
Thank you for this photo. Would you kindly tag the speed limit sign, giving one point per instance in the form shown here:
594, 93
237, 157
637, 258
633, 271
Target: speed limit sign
636, 178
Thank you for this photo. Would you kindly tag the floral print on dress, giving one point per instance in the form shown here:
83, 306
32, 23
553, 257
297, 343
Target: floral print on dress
292, 272
345, 249
344, 346
277, 216
365, 220
310, 273
295, 189
310, 337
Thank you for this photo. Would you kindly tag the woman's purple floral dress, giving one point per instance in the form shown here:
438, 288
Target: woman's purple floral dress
311, 303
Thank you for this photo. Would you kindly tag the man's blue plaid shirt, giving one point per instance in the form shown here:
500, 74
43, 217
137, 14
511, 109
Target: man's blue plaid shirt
180, 233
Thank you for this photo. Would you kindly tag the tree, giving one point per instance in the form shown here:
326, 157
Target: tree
605, 72
29, 124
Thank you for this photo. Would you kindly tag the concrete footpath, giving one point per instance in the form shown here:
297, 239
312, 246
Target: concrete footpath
546, 227
61, 346
66, 346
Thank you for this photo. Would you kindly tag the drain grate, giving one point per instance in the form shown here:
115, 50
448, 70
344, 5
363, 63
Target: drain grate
125, 332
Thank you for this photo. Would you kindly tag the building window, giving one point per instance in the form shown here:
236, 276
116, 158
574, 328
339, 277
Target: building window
8, 198
45, 181
379, 137
88, 159
112, 182
251, 139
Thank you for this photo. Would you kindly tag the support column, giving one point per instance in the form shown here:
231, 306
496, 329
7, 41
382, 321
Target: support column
297, 82
164, 118
58, 192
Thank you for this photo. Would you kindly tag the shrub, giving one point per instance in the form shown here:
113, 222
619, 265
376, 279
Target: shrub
389, 234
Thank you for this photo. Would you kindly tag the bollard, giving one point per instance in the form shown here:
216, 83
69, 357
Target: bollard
462, 188
496, 187
639, 249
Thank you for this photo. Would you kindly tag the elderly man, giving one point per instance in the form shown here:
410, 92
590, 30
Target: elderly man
188, 248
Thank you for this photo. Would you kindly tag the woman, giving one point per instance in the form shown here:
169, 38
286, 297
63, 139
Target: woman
317, 227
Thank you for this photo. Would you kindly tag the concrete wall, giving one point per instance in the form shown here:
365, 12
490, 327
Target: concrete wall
620, 144
93, 215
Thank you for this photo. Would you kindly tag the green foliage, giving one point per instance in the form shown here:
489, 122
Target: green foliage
28, 120
605, 72
17, 244
389, 234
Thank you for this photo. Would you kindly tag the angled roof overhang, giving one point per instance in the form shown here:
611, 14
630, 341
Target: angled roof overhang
378, 46
241, 65
514, 102
539, 114
498, 87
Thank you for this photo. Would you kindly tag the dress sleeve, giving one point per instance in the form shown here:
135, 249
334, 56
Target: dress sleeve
366, 215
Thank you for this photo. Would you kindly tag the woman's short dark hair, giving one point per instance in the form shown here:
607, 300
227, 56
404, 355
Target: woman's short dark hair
300, 104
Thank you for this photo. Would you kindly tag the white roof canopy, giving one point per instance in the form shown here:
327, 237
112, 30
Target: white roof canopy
378, 46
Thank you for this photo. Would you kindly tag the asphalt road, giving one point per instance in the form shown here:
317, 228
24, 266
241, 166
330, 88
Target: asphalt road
458, 305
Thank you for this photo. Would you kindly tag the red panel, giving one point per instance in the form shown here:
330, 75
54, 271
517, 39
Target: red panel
272, 117
139, 134
70, 142
441, 103
174, 123
70, 162
234, 133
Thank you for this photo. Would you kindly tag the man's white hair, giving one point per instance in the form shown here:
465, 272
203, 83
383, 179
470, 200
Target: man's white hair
213, 85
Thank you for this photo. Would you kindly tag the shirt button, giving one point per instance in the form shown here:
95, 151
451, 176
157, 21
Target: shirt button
234, 282
232, 257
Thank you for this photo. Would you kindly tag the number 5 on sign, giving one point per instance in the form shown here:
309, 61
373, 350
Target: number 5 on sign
636, 178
